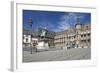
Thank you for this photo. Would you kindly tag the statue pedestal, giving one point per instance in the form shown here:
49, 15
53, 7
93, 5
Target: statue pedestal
42, 46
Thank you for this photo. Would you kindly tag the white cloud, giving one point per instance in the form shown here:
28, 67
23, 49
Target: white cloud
67, 21
63, 25
47, 25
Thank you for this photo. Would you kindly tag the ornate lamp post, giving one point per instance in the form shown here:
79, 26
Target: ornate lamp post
30, 22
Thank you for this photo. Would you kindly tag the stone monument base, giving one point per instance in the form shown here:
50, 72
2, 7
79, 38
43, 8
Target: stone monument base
42, 46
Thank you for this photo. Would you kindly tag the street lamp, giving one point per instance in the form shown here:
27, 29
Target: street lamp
30, 22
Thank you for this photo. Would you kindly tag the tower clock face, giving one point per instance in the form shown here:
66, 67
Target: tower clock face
78, 27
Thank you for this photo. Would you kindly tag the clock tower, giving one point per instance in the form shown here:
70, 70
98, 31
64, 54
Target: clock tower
78, 33
78, 25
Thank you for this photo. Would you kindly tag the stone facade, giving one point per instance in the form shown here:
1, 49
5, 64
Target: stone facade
77, 37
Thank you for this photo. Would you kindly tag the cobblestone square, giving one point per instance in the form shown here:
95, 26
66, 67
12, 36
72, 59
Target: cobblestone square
57, 55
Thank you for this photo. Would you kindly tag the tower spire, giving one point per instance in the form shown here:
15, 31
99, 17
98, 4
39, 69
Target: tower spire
78, 20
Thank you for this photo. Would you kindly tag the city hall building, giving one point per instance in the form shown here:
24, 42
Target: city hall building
78, 36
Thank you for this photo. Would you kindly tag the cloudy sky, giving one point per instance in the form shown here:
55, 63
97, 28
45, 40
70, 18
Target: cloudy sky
52, 20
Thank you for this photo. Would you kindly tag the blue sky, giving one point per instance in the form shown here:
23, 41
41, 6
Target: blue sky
54, 21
